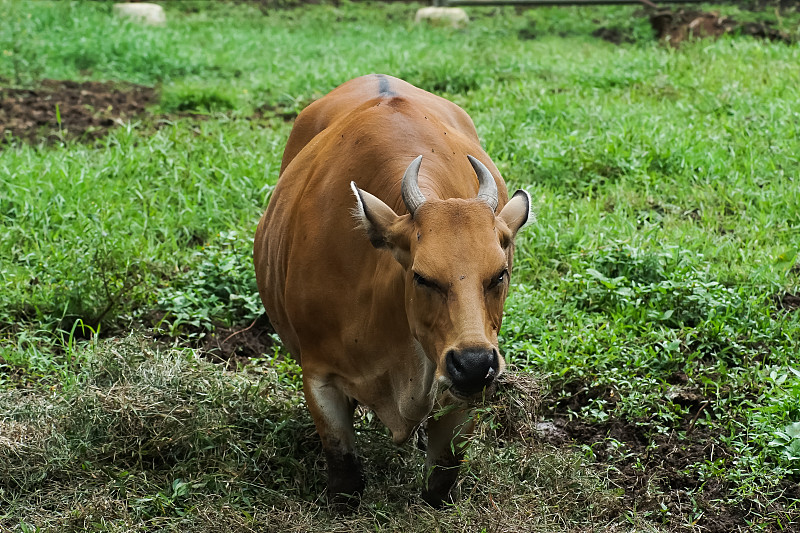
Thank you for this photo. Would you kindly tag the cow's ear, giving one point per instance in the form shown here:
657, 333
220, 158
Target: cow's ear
517, 212
384, 227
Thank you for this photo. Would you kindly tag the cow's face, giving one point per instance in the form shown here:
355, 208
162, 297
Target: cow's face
457, 259
456, 284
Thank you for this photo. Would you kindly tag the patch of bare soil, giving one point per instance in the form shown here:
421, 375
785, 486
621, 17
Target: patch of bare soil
658, 470
237, 345
788, 301
228, 346
674, 27
86, 110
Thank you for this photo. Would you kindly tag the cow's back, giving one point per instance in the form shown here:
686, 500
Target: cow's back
353, 94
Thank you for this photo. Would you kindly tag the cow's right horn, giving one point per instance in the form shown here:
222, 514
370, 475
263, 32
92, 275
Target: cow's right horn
487, 190
412, 196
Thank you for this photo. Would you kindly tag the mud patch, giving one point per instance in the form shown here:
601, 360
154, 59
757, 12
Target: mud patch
230, 347
788, 301
658, 473
674, 27
654, 470
235, 346
60, 110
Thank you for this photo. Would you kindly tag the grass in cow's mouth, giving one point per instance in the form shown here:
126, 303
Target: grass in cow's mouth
655, 299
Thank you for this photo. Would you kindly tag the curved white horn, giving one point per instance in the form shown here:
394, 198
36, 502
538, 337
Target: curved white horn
412, 196
487, 189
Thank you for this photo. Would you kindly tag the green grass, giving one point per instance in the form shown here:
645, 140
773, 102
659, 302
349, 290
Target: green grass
668, 229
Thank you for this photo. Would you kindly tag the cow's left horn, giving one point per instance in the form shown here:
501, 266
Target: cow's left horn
487, 189
412, 196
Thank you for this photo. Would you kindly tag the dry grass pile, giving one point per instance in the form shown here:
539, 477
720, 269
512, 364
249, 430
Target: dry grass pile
148, 440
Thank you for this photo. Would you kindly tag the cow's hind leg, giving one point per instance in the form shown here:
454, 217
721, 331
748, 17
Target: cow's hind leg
332, 411
447, 439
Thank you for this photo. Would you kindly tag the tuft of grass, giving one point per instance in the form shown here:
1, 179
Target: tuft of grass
197, 99
146, 437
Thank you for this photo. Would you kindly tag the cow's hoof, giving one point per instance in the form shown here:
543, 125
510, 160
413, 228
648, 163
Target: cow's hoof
350, 487
439, 500
441, 488
345, 481
344, 495
344, 503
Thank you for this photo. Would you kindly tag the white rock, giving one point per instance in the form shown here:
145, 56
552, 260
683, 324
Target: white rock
452, 16
152, 14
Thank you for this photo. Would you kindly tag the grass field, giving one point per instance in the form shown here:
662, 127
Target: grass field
653, 319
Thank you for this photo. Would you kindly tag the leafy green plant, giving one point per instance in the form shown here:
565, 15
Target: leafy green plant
220, 289
666, 286
787, 441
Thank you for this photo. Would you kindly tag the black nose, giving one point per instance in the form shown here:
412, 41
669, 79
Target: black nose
473, 369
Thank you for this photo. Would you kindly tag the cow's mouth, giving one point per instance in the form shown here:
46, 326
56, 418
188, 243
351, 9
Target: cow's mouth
471, 397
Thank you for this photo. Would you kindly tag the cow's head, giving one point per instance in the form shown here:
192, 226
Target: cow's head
457, 255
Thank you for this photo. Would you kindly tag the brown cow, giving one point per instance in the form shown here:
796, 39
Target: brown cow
385, 271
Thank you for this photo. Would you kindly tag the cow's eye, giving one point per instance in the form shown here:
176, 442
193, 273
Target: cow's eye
425, 282
419, 280
498, 279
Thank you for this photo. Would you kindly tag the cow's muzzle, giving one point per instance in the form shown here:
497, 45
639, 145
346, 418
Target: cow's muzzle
472, 370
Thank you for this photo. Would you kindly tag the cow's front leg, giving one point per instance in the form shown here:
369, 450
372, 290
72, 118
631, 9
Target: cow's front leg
332, 411
447, 438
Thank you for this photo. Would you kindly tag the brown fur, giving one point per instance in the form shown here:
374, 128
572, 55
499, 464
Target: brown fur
345, 303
